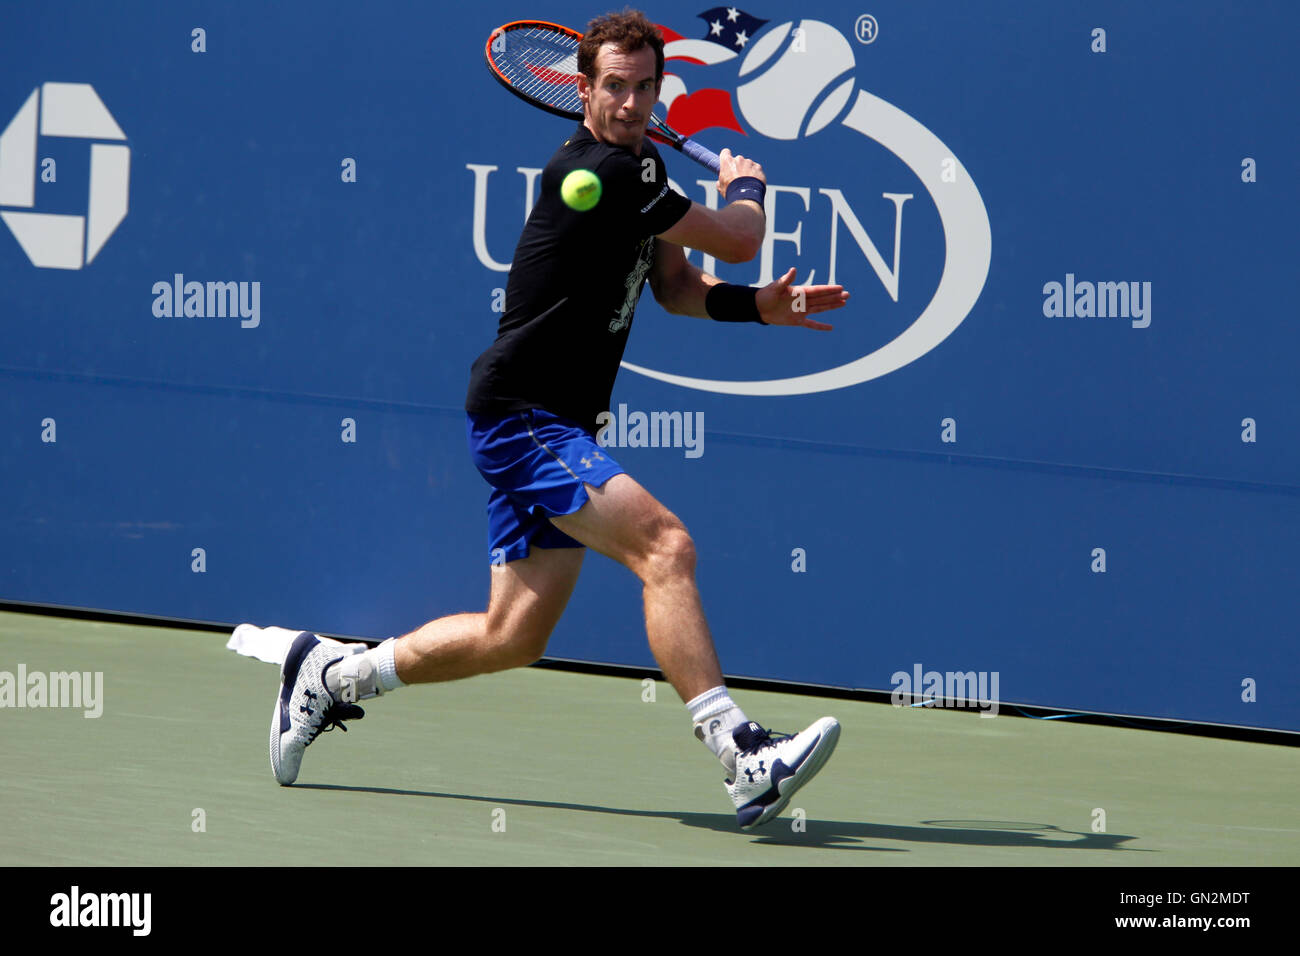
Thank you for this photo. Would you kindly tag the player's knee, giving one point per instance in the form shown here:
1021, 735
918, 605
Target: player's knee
518, 642
528, 648
672, 554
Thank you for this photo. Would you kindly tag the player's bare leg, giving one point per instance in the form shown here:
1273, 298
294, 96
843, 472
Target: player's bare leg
625, 522
321, 682
528, 596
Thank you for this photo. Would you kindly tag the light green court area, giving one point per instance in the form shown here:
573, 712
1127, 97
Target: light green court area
536, 767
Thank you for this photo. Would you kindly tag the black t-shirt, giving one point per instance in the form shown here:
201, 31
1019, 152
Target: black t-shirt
574, 284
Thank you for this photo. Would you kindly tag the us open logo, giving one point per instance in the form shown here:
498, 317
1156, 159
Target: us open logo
795, 80
52, 240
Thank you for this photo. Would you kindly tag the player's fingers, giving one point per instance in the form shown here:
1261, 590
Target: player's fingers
823, 306
748, 167
726, 169
829, 296
781, 286
810, 307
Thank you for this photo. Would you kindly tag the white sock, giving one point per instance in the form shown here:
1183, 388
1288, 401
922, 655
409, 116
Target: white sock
364, 673
715, 716
383, 658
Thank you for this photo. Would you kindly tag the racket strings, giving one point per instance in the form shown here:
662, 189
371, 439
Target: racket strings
541, 64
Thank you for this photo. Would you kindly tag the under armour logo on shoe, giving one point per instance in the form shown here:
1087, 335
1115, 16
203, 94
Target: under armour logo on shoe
760, 771
306, 710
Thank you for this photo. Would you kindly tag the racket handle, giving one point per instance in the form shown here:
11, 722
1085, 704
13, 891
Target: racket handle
701, 154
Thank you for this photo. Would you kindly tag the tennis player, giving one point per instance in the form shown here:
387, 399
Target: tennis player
532, 407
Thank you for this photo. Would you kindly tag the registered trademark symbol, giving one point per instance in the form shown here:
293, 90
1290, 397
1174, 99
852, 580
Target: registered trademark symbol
866, 28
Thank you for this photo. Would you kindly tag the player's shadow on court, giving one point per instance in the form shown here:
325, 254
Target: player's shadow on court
823, 834
842, 835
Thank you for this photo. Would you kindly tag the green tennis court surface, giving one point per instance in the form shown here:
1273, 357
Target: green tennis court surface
538, 767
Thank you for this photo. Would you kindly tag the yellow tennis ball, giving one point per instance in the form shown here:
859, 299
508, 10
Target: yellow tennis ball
580, 189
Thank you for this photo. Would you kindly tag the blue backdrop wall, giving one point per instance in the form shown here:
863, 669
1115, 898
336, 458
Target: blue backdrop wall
1053, 436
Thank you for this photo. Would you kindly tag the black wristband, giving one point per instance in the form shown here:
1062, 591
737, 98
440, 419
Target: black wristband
746, 187
732, 303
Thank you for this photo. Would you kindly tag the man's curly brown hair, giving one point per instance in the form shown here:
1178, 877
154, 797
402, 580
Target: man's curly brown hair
629, 31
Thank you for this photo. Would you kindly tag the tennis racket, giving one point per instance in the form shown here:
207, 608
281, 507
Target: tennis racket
538, 62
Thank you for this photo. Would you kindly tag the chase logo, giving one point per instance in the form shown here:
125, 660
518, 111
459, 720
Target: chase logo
797, 80
52, 240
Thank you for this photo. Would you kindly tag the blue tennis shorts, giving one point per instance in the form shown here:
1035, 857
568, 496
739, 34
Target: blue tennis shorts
537, 464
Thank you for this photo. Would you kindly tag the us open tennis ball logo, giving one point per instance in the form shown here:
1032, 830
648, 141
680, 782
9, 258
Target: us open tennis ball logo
580, 190
799, 80
54, 241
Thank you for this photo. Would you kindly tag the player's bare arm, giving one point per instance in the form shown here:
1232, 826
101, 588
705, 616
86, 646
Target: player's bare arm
733, 233
682, 288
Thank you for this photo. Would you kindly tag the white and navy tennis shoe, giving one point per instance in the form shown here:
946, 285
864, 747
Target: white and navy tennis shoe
304, 706
771, 767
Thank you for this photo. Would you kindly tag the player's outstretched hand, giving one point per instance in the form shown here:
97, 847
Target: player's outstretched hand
780, 303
